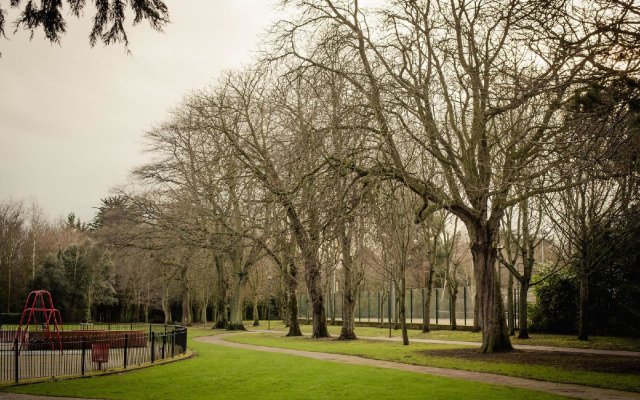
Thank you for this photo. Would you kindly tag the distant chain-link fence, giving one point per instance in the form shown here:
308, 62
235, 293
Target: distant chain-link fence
381, 307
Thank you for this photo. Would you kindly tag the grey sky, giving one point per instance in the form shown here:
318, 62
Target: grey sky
72, 118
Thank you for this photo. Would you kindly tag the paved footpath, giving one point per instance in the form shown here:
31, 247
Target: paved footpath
626, 353
563, 389
515, 346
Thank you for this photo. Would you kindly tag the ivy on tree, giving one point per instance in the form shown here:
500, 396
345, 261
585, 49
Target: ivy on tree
108, 21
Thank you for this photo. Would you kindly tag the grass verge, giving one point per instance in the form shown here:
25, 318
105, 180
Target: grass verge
225, 373
418, 354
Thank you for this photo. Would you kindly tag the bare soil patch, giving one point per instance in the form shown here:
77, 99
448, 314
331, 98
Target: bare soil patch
570, 361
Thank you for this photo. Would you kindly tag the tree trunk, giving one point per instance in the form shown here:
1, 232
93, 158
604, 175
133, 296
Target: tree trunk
510, 314
528, 262
349, 290
403, 309
263, 306
523, 322
33, 257
348, 317
125, 311
307, 243
146, 304
314, 286
186, 305
382, 306
203, 311
221, 303
583, 322
319, 317
235, 322
396, 313
283, 306
221, 314
294, 326
166, 307
332, 306
256, 317
393, 316
292, 285
453, 298
477, 312
87, 307
292, 303
195, 313
185, 295
495, 336
426, 318
9, 279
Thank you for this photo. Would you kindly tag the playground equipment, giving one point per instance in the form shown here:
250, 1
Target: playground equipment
41, 314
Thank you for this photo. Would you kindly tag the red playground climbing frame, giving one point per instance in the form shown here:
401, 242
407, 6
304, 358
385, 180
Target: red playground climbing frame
39, 312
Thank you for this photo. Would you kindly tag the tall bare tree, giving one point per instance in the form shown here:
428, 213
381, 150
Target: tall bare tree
240, 111
583, 216
524, 235
477, 87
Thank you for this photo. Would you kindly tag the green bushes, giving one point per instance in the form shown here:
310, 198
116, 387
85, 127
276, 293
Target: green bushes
556, 310
10, 318
614, 289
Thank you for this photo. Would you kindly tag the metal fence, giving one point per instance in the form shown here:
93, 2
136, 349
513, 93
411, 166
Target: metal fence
380, 306
86, 348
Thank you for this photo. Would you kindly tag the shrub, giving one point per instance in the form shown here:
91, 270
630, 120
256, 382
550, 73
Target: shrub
10, 318
556, 309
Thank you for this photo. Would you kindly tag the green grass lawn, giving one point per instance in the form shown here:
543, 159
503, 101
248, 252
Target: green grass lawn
537, 339
418, 353
223, 373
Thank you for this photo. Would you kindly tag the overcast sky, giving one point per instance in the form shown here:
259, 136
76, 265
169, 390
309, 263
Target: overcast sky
72, 118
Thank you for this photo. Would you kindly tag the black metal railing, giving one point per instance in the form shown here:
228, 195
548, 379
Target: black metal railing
85, 348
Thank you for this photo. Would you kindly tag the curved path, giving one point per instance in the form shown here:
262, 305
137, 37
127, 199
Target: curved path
563, 389
626, 353
578, 350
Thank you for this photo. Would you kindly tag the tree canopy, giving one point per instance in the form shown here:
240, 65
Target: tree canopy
108, 20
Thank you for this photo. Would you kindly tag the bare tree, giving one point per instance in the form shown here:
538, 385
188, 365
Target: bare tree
476, 87
240, 112
12, 237
219, 209
524, 235
431, 229
583, 216
455, 251
398, 237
